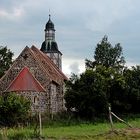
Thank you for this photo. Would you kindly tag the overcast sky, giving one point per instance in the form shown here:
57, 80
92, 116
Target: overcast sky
79, 24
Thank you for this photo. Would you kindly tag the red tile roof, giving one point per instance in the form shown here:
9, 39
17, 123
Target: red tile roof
25, 81
52, 69
46, 65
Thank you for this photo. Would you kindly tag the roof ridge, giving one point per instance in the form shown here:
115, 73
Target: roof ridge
33, 48
38, 62
52, 63
14, 63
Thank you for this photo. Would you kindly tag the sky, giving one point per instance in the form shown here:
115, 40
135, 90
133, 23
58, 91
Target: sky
79, 24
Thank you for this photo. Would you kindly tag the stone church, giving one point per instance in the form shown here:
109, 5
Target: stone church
37, 75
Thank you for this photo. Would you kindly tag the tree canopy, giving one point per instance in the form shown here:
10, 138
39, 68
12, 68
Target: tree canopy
86, 94
5, 59
103, 84
107, 55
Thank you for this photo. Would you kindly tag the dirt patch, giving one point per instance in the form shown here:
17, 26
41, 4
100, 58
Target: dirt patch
121, 134
133, 130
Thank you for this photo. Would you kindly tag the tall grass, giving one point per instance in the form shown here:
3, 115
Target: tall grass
72, 130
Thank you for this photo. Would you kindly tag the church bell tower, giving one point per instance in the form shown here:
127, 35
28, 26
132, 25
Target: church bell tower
49, 46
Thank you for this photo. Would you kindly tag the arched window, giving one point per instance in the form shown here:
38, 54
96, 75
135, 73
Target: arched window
36, 100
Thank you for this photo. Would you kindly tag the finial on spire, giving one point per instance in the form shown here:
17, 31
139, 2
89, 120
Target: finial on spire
49, 16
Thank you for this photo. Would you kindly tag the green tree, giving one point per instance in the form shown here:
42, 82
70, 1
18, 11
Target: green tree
107, 55
5, 59
87, 94
14, 109
118, 96
102, 83
105, 81
132, 78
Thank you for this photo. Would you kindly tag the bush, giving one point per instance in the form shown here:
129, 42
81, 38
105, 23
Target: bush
14, 109
86, 95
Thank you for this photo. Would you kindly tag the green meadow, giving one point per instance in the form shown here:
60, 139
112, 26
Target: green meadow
79, 131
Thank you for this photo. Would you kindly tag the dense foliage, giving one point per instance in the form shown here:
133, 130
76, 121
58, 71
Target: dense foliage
107, 55
132, 78
5, 59
87, 94
14, 109
105, 82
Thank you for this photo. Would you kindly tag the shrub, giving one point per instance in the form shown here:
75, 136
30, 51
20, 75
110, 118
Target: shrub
14, 109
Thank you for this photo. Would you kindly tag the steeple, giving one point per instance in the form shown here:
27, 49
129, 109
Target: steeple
49, 46
49, 24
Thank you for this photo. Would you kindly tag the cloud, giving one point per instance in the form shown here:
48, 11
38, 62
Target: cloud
12, 15
73, 65
130, 64
74, 68
79, 25
108, 12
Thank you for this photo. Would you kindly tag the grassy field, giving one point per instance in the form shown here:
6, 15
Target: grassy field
81, 131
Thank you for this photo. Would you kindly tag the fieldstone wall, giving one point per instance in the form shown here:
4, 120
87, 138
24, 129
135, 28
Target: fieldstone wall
39, 100
50, 101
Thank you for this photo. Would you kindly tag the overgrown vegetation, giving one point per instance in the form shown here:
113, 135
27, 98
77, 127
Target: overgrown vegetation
5, 59
14, 109
106, 81
81, 130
